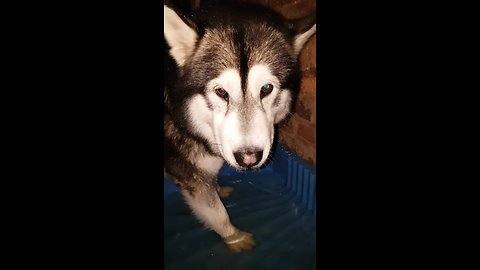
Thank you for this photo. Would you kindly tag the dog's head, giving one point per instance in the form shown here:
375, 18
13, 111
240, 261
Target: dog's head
238, 75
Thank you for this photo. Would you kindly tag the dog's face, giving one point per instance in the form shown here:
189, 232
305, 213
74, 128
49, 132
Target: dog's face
235, 83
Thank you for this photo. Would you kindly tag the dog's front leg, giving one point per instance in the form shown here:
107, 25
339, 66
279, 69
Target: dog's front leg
207, 207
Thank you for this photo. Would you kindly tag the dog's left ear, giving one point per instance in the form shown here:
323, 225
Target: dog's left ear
302, 30
180, 34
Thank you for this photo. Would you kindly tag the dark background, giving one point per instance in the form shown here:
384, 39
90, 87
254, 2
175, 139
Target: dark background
83, 118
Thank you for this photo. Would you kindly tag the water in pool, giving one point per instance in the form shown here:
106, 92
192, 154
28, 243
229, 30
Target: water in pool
283, 227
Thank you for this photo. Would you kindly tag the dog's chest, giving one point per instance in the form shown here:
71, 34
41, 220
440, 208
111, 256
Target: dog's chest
210, 164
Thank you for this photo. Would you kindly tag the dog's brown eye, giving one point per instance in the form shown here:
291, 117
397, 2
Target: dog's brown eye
266, 89
222, 93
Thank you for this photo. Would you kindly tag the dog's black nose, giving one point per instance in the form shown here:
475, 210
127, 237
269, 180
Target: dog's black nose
248, 158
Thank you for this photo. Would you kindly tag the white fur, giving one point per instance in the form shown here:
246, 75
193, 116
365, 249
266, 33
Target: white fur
211, 213
258, 76
201, 117
226, 125
283, 109
223, 127
210, 164
179, 36
230, 81
301, 39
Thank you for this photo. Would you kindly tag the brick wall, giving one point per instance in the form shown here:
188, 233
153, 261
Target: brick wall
298, 133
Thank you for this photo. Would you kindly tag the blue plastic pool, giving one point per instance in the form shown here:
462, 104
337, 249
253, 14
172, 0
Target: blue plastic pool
276, 204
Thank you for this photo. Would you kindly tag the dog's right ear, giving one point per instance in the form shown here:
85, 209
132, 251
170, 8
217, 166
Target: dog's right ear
302, 29
180, 36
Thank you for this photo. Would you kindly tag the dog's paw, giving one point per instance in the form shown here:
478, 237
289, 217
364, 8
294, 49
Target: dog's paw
224, 192
240, 241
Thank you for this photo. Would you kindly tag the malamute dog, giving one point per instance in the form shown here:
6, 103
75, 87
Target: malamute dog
231, 75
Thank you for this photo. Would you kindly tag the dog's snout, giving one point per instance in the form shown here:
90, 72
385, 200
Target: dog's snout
249, 157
